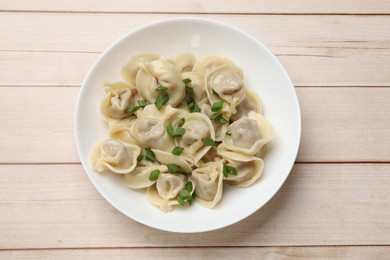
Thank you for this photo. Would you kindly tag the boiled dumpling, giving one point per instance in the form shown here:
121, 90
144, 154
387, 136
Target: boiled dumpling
250, 103
197, 126
167, 158
120, 130
160, 73
245, 132
139, 178
166, 108
208, 63
225, 83
118, 99
208, 182
183, 62
149, 129
197, 84
130, 70
164, 193
219, 129
210, 156
114, 156
249, 168
248, 134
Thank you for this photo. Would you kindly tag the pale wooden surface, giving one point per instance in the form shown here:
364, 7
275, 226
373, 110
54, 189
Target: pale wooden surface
336, 202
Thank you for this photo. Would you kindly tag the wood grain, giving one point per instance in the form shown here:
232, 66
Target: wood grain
339, 252
55, 206
316, 50
336, 202
338, 124
40, 126
344, 124
203, 6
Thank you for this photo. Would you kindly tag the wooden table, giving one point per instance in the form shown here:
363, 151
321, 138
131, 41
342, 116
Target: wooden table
336, 202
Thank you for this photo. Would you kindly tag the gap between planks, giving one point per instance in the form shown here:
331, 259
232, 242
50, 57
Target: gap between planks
191, 13
203, 6
190, 247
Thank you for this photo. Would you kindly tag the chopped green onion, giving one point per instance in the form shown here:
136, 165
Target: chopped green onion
215, 116
217, 106
149, 155
159, 102
190, 91
185, 194
208, 141
191, 105
179, 132
219, 117
165, 98
186, 80
181, 122
140, 157
141, 103
228, 133
227, 169
161, 89
223, 120
177, 150
173, 168
196, 108
181, 201
169, 128
189, 186
132, 110
154, 175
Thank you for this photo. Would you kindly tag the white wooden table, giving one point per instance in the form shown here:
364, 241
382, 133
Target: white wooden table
336, 202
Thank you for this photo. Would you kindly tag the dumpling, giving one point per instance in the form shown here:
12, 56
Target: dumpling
164, 194
248, 134
183, 62
249, 168
130, 70
251, 102
197, 84
208, 183
160, 73
167, 158
114, 156
219, 129
208, 63
120, 130
149, 129
226, 82
210, 156
197, 126
139, 178
119, 97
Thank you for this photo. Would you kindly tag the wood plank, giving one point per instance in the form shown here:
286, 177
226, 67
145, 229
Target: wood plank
44, 68
55, 206
340, 252
316, 50
345, 124
38, 124
203, 6
339, 124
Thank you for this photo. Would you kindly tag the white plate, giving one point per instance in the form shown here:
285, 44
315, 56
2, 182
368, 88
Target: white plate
263, 74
